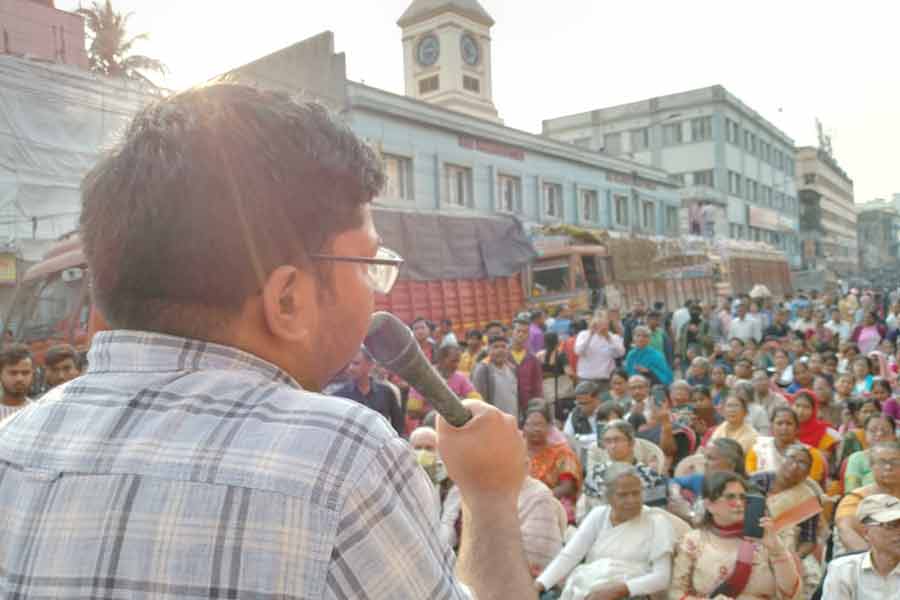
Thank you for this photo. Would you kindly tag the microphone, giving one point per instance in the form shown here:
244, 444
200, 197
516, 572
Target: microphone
392, 344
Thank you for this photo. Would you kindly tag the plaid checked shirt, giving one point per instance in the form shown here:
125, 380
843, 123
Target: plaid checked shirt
180, 469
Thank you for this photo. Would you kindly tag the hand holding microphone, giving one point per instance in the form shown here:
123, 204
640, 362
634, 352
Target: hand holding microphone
482, 448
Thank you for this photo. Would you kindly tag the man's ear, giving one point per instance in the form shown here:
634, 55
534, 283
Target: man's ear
288, 303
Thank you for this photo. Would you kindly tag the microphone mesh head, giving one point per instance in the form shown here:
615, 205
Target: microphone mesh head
390, 341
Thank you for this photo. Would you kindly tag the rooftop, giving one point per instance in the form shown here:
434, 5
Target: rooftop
420, 10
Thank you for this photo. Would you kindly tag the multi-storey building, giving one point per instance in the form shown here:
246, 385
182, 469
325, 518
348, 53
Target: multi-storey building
828, 220
444, 146
878, 225
736, 168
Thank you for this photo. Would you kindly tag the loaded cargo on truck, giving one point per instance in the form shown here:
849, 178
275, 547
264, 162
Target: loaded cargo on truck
464, 268
589, 268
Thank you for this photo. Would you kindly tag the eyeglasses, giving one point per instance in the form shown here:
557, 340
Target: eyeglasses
892, 525
382, 270
886, 464
612, 441
797, 461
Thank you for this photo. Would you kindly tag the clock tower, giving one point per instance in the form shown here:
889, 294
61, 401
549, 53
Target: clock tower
447, 55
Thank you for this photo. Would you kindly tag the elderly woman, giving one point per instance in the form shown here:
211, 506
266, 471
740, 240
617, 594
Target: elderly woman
795, 504
716, 561
736, 425
618, 443
551, 461
626, 547
878, 428
698, 374
770, 452
647, 361
618, 390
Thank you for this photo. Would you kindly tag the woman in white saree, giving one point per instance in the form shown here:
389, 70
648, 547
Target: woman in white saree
627, 547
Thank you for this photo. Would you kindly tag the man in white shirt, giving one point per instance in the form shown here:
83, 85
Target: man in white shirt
876, 573
597, 349
679, 318
839, 327
744, 327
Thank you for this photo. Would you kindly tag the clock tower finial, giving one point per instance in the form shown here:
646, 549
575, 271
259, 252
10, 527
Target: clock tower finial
447, 55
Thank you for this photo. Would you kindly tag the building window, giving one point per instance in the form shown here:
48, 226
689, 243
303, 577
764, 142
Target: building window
679, 177
733, 132
612, 143
553, 204
620, 204
640, 139
672, 134
590, 208
809, 179
778, 160
766, 195
459, 186
701, 129
672, 224
789, 166
778, 201
752, 191
429, 84
649, 217
471, 84
734, 183
509, 194
749, 142
706, 178
398, 172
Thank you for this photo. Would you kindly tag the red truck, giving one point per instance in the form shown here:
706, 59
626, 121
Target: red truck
458, 267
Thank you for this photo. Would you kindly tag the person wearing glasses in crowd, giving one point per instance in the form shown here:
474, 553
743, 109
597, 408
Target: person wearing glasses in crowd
231, 248
877, 428
875, 573
850, 534
716, 561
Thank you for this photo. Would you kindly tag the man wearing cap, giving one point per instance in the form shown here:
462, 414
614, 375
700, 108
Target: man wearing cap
875, 573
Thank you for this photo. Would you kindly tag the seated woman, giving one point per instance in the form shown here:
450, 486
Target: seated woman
795, 503
736, 426
551, 461
878, 428
849, 532
769, 453
618, 390
813, 431
717, 561
698, 374
618, 447
627, 548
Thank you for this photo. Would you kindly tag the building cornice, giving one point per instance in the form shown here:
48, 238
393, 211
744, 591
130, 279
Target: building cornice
361, 96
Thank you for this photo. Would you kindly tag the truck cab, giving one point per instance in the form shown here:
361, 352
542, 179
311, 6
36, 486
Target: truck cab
573, 275
52, 304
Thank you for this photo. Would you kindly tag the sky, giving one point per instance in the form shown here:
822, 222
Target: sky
791, 61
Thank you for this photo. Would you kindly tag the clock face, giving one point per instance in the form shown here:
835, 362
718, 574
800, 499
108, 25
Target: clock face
428, 51
471, 51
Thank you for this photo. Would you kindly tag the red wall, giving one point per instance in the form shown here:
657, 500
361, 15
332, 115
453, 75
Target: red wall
41, 31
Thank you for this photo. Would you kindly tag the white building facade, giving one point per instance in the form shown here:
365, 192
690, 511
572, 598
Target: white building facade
737, 169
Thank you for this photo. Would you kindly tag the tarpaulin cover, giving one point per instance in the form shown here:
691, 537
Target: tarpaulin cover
55, 121
440, 246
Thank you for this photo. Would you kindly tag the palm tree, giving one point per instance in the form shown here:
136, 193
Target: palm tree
110, 49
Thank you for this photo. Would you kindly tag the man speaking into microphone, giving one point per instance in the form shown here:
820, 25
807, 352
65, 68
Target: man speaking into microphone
231, 248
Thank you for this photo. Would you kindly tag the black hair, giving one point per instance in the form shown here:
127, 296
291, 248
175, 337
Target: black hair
619, 373
607, 409
474, 333
714, 485
497, 338
883, 384
784, 410
444, 351
225, 183
883, 417
61, 352
541, 407
13, 355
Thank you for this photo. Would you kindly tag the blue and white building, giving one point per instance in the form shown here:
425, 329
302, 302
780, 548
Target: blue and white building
736, 167
445, 146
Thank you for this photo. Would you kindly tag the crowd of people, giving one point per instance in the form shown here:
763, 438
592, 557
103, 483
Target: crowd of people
647, 433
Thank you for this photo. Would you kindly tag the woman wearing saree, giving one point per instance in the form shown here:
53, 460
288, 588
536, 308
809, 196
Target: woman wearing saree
717, 561
550, 459
735, 426
627, 547
813, 431
795, 503
878, 428
769, 453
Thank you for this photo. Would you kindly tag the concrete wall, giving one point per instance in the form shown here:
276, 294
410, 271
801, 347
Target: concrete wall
40, 31
310, 67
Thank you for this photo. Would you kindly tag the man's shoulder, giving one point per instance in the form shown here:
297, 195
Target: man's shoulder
848, 563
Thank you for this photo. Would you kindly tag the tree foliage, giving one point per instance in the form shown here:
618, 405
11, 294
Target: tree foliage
110, 50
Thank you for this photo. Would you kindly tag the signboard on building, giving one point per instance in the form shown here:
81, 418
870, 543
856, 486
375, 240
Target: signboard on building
489, 147
762, 218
